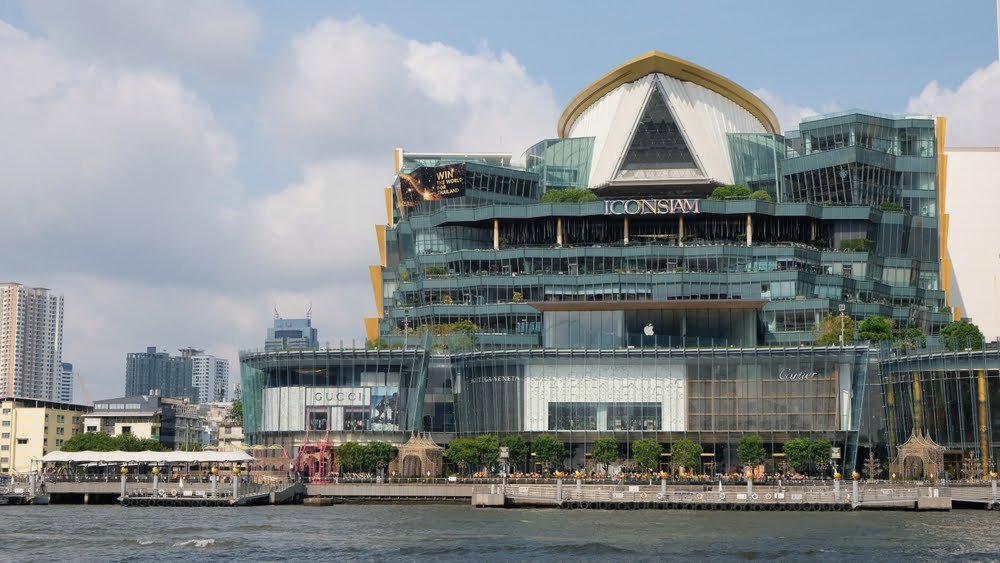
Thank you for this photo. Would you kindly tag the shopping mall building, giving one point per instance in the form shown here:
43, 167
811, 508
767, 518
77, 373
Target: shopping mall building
654, 310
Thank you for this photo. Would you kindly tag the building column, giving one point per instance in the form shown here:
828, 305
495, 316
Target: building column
749, 230
626, 230
559, 231
918, 406
812, 231
496, 234
680, 230
984, 442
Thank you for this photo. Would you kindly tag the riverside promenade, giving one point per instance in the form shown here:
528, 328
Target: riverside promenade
551, 493
837, 495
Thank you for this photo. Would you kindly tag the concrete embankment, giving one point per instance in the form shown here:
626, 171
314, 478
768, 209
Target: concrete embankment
390, 492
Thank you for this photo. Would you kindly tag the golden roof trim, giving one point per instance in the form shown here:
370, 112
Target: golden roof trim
658, 62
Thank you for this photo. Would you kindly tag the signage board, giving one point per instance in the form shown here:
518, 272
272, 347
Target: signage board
651, 206
338, 396
797, 375
430, 183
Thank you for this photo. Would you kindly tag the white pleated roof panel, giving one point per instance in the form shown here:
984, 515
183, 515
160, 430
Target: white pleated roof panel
705, 107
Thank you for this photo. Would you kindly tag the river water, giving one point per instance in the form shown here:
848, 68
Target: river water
461, 533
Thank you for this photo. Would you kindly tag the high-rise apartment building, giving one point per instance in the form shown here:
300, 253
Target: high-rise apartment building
31, 325
150, 372
65, 393
209, 375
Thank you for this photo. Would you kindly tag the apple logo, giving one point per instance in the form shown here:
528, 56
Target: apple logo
648, 330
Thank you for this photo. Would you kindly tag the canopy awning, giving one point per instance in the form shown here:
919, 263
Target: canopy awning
147, 457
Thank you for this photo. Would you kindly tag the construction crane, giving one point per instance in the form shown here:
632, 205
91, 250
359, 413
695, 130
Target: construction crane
83, 389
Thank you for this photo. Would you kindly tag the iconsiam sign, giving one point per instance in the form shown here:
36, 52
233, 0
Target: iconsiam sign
651, 206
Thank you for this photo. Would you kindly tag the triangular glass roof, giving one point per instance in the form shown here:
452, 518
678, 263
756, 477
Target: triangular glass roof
658, 148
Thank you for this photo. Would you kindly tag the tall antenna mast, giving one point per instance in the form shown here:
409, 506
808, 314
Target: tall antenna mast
309, 313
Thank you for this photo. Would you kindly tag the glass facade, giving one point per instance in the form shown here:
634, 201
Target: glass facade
656, 315
561, 163
658, 146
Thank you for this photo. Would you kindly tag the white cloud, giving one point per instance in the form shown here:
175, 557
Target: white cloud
359, 89
789, 114
101, 166
971, 108
205, 37
119, 189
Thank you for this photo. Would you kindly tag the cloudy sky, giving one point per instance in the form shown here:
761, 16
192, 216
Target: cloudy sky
175, 169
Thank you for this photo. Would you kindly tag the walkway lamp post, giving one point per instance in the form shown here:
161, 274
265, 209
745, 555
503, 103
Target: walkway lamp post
214, 478
124, 472
156, 478
236, 482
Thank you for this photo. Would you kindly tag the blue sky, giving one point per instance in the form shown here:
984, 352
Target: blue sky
178, 168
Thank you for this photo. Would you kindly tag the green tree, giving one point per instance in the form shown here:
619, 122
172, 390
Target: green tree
911, 338
646, 453
351, 456
959, 335
487, 450
461, 452
685, 454
90, 442
236, 410
549, 451
797, 453
103, 442
760, 195
568, 195
606, 452
751, 450
376, 455
819, 453
518, 449
857, 245
876, 329
828, 330
731, 192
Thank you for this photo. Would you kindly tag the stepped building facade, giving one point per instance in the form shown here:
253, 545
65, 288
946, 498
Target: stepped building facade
608, 286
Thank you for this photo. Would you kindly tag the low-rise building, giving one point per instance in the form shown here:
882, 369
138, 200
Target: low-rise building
174, 422
31, 428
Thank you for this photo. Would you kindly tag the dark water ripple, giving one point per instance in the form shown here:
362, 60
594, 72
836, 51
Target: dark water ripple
460, 533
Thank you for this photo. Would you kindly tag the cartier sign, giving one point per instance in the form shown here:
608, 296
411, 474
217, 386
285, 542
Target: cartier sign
651, 206
797, 375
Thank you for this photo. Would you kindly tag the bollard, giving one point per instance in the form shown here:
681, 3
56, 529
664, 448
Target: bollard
559, 489
854, 493
579, 485
749, 487
993, 484
663, 487
236, 486
836, 490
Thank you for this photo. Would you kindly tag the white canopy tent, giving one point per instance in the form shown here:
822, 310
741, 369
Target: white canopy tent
148, 458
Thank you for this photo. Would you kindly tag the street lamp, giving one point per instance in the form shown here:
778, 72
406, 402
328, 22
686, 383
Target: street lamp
842, 308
